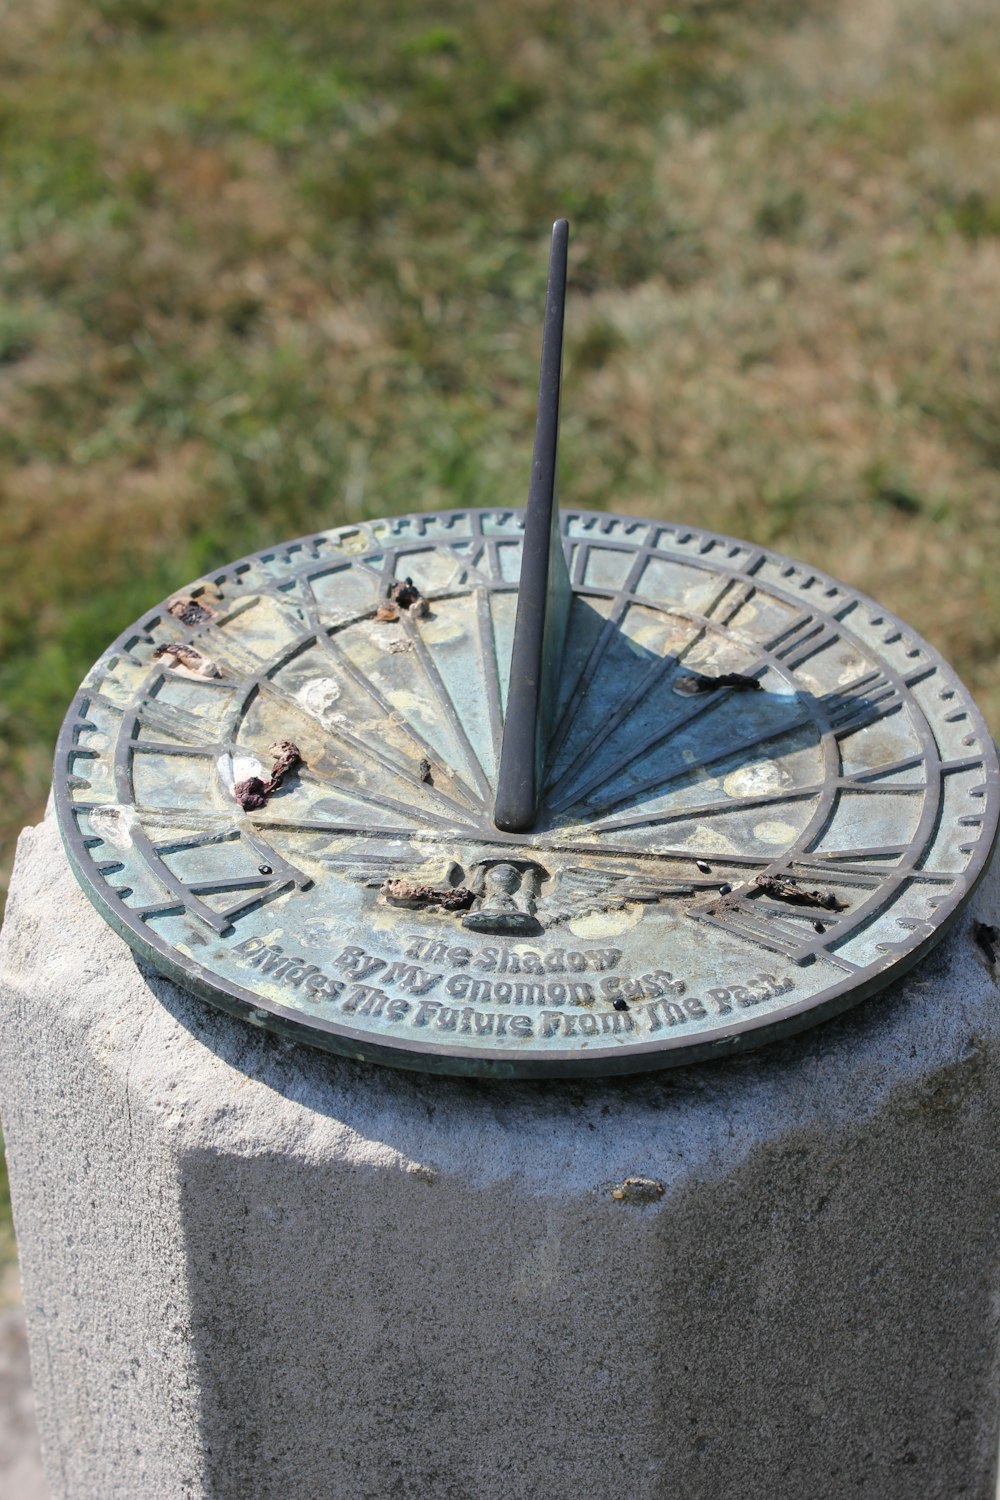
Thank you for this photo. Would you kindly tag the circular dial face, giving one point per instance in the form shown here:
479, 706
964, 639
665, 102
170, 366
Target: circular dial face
764, 797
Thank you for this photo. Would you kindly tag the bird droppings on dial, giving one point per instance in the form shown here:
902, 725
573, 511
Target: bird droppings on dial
253, 792
425, 772
387, 612
407, 596
449, 898
189, 611
787, 890
186, 656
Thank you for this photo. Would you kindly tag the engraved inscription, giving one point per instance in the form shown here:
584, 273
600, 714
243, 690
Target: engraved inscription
291, 969
448, 999
743, 997
512, 960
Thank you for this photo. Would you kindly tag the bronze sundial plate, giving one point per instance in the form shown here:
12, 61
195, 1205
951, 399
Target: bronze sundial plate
764, 797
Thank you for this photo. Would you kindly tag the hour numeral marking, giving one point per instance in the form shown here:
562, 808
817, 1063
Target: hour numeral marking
806, 638
867, 699
785, 930
256, 888
166, 718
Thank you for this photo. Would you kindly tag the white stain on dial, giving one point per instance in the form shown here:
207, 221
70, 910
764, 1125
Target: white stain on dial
318, 698
771, 831
113, 825
240, 768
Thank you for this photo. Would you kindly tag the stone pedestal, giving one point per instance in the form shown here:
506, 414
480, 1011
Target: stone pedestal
255, 1271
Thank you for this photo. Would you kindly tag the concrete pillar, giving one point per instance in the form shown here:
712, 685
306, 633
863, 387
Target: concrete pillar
255, 1271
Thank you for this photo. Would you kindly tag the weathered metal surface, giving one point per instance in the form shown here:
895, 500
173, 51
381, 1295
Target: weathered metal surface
764, 797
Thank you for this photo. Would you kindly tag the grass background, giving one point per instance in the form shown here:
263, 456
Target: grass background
272, 266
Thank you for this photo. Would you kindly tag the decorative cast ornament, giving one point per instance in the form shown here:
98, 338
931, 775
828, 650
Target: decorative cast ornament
495, 792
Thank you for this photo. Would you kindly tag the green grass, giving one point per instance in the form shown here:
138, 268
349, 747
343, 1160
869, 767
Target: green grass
271, 266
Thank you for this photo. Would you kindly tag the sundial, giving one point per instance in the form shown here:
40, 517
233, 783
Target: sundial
524, 793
